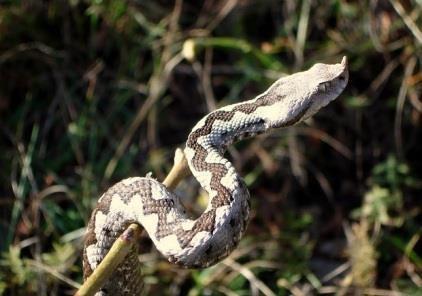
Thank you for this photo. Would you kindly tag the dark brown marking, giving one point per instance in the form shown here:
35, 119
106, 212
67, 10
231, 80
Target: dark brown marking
104, 205
246, 108
271, 96
206, 128
90, 239
218, 170
90, 233
126, 191
161, 207
156, 206
204, 223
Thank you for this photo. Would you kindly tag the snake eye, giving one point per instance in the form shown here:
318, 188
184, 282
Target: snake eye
322, 87
341, 77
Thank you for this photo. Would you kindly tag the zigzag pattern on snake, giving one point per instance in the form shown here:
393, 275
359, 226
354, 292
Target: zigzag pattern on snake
204, 241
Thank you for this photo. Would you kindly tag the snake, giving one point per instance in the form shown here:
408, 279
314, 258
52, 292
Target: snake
203, 241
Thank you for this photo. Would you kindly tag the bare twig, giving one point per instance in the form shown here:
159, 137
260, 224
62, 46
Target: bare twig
369, 291
32, 46
400, 105
178, 172
407, 20
248, 274
52, 271
302, 32
157, 86
415, 100
204, 75
327, 139
225, 10
121, 247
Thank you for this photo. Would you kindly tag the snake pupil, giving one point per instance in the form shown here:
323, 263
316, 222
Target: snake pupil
232, 222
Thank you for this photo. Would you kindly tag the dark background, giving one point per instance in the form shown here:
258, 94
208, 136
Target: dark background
92, 92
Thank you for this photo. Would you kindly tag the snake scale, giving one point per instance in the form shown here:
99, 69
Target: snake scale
201, 242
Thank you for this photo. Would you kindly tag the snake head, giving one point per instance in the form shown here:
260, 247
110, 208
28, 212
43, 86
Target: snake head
326, 83
296, 97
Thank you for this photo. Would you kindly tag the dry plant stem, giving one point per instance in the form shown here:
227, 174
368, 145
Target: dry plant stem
124, 243
115, 256
413, 27
410, 66
256, 284
178, 172
301, 32
157, 86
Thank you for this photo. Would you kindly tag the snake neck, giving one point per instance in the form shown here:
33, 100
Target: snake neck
212, 134
207, 143
228, 207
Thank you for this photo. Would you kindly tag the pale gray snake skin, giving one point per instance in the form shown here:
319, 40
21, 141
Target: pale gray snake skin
201, 242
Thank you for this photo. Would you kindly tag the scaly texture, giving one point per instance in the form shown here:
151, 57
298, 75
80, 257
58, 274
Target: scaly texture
211, 237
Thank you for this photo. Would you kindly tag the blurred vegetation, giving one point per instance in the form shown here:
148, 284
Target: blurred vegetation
94, 91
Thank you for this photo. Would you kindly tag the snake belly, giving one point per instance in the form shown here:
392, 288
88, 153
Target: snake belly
201, 242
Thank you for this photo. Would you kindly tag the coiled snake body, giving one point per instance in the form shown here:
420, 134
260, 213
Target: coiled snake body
204, 241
